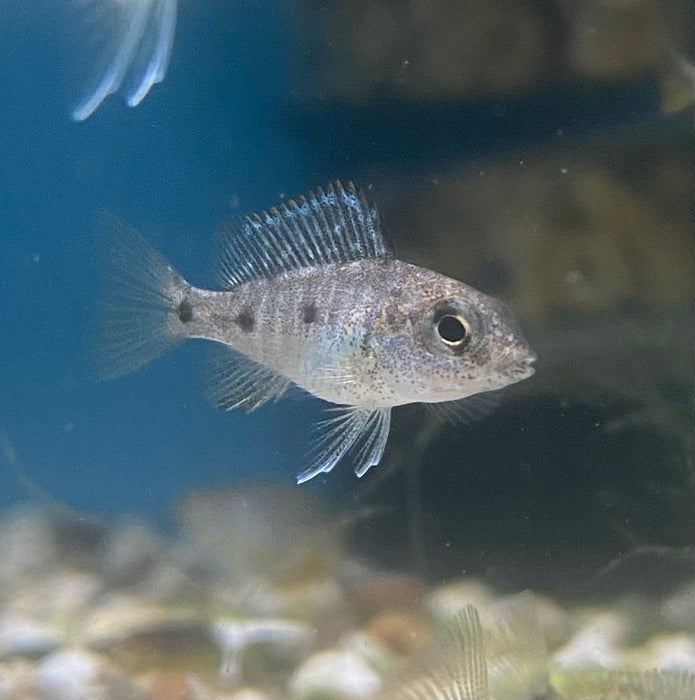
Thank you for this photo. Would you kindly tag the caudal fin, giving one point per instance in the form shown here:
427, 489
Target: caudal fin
138, 311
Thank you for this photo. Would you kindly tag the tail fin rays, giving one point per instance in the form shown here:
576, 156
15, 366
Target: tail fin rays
140, 295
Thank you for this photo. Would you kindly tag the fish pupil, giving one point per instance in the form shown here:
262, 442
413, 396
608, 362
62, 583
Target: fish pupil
452, 330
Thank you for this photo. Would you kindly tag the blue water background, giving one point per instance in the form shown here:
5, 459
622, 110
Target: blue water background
221, 136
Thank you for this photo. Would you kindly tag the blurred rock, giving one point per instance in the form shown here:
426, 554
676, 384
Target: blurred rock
121, 617
402, 633
423, 49
679, 608
168, 685
17, 680
27, 545
596, 642
277, 533
555, 236
247, 694
670, 652
260, 645
596, 683
81, 675
24, 636
611, 40
72, 633
309, 599
376, 590
129, 551
446, 601
334, 675
272, 551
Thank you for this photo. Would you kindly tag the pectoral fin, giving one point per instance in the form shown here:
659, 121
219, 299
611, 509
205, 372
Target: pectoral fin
466, 411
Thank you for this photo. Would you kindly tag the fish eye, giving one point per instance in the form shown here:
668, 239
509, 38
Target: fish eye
452, 329
451, 326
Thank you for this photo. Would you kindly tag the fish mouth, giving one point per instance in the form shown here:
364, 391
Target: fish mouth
520, 371
520, 363
526, 369
527, 358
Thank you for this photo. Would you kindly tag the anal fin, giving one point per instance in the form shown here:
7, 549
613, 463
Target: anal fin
236, 380
355, 433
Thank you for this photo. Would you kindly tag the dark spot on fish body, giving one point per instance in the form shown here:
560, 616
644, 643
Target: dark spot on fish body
395, 318
365, 346
185, 311
245, 320
309, 312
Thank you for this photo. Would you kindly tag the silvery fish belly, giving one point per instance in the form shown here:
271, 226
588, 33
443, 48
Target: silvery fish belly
314, 297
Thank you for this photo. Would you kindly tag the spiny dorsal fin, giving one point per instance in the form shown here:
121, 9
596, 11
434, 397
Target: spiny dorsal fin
335, 225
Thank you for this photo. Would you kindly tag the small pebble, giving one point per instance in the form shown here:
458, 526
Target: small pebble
23, 636
168, 685
69, 675
334, 675
595, 644
404, 634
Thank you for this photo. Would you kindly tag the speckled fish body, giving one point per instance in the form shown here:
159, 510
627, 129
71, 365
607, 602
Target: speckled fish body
354, 333
315, 298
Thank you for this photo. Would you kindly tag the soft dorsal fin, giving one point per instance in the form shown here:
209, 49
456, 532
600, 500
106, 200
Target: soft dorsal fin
335, 225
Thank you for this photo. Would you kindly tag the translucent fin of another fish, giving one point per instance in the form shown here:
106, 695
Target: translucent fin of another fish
361, 433
604, 684
678, 83
30, 486
456, 668
137, 39
138, 304
236, 380
334, 225
517, 655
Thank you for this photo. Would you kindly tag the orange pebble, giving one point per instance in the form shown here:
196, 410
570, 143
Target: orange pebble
403, 633
168, 685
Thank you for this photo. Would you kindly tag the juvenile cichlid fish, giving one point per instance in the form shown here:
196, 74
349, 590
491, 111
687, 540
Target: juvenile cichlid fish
314, 297
135, 38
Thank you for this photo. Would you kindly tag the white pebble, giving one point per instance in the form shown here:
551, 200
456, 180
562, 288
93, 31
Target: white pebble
69, 675
334, 675
23, 636
673, 653
679, 609
27, 544
595, 644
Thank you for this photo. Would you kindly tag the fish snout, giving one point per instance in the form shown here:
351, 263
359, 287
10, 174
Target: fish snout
524, 360
517, 360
